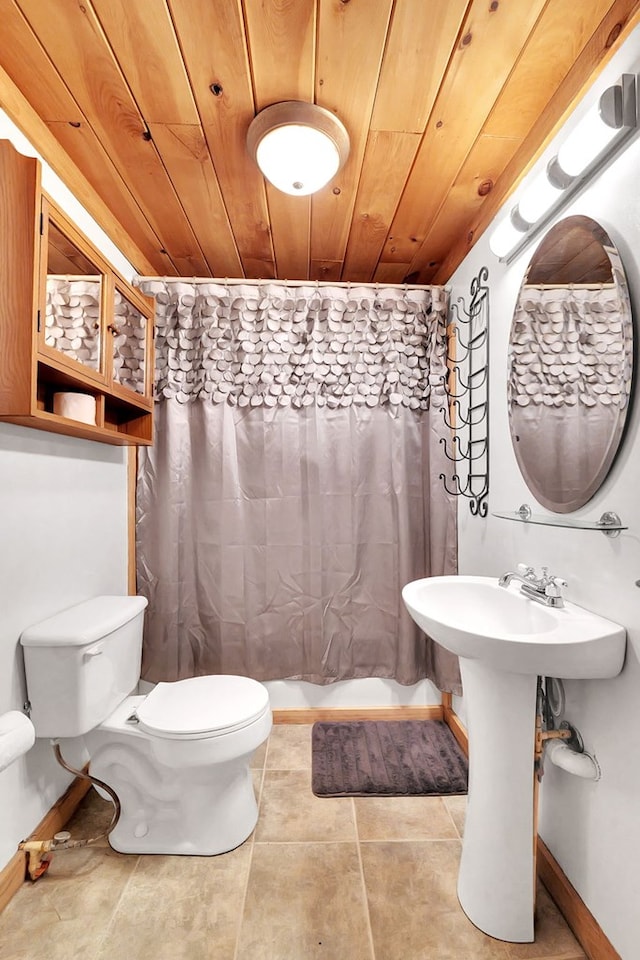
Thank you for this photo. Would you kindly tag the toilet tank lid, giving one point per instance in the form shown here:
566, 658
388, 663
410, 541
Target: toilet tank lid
83, 623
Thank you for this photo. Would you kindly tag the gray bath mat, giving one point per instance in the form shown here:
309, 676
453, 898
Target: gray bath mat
386, 758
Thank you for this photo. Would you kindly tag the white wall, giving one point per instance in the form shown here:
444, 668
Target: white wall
63, 538
593, 829
63, 531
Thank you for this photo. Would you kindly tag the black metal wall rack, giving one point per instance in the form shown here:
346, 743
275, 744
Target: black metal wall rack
467, 412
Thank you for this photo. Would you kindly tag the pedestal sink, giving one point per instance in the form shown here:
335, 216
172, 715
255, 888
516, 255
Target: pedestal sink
505, 641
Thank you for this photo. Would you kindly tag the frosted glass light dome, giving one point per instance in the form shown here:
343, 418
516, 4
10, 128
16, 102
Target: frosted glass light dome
299, 147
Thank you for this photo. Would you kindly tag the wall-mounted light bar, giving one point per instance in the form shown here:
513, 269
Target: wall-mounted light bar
598, 135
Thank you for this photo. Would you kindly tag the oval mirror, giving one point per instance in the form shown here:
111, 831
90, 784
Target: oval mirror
570, 364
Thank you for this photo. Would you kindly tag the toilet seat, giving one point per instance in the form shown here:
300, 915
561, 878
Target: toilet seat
202, 707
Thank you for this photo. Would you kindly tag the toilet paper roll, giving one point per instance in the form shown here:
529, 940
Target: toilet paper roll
75, 406
17, 735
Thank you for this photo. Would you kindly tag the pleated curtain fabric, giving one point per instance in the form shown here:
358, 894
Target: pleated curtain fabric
293, 486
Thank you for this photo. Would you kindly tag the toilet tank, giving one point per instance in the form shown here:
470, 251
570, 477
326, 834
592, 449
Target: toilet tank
81, 663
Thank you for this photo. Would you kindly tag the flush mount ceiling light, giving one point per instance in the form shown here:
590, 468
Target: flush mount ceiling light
298, 146
596, 138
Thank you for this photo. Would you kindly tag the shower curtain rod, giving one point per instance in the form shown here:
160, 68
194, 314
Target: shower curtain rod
347, 284
570, 286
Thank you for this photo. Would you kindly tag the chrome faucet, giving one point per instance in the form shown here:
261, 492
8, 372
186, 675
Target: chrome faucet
545, 589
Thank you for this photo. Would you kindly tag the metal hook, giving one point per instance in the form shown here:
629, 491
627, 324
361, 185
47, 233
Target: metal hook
444, 415
456, 480
468, 385
443, 441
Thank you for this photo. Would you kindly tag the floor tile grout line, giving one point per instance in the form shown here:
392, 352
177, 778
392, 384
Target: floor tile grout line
362, 878
297, 843
110, 922
266, 751
243, 902
263, 771
455, 840
455, 825
282, 769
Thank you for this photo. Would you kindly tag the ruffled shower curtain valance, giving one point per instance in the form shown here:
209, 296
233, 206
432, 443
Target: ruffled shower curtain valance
293, 486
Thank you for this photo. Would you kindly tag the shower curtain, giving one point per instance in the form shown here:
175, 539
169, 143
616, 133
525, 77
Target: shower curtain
293, 486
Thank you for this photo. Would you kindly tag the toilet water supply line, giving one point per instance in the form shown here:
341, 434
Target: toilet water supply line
563, 746
39, 852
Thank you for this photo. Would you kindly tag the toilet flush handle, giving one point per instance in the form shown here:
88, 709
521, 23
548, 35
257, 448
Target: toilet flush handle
94, 651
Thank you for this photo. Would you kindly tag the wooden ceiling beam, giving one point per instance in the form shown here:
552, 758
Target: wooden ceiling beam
621, 18
558, 38
492, 37
351, 43
485, 163
515, 111
47, 145
387, 161
325, 270
212, 38
419, 45
447, 103
142, 38
85, 150
25, 60
186, 157
75, 41
282, 40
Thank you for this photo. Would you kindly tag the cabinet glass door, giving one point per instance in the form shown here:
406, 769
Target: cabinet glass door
129, 332
74, 291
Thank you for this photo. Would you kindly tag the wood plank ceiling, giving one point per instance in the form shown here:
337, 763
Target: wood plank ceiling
446, 102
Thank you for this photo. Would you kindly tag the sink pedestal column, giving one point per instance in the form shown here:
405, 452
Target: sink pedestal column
496, 884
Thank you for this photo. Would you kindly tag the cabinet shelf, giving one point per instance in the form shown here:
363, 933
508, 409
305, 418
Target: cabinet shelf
68, 321
120, 435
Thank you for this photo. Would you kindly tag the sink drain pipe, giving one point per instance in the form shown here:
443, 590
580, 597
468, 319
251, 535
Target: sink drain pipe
567, 758
39, 852
563, 746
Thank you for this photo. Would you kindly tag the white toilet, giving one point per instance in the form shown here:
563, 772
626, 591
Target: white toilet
178, 758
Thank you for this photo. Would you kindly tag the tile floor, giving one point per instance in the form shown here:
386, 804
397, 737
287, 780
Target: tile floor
338, 879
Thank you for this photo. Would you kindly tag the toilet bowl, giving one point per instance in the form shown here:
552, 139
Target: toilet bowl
178, 758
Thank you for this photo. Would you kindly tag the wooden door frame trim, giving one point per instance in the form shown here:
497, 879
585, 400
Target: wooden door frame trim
132, 475
454, 723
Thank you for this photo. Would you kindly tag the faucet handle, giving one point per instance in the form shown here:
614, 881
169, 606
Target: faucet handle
555, 587
525, 570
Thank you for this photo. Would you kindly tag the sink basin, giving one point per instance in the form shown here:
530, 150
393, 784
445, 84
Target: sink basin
504, 641
476, 618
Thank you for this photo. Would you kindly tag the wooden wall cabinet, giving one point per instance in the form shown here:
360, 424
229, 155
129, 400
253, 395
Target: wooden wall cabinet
69, 323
